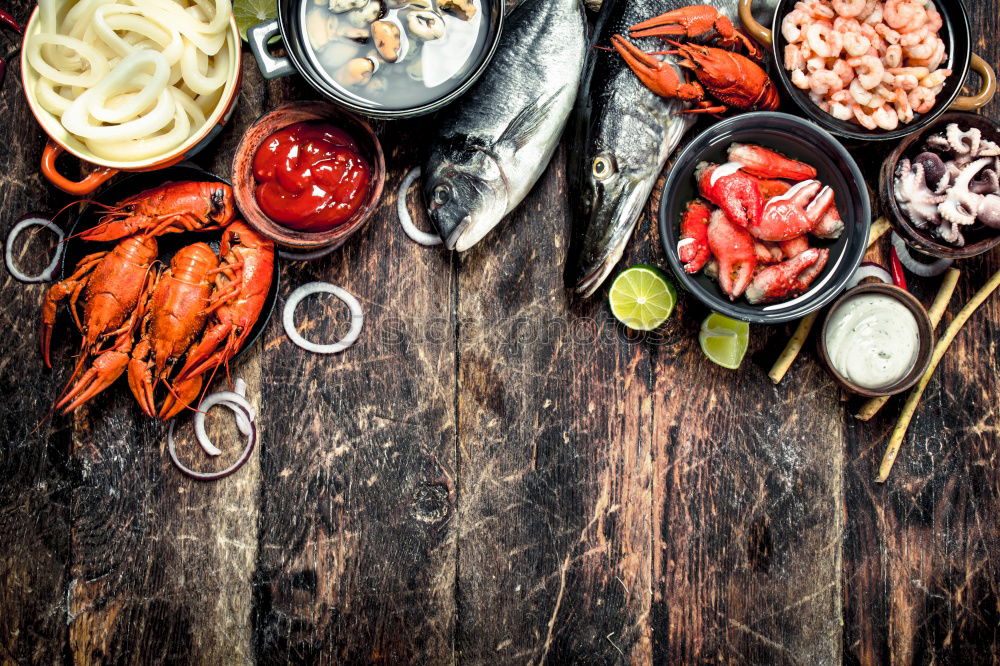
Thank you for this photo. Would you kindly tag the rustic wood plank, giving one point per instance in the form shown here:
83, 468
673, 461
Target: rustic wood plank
34, 478
357, 549
554, 456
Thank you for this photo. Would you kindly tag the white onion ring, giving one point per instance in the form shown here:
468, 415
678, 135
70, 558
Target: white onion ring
415, 234
307, 256
8, 255
288, 317
918, 268
869, 270
244, 421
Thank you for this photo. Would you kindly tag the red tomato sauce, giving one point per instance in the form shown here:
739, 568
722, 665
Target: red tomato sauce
310, 176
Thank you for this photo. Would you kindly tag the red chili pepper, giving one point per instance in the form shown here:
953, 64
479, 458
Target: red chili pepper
8, 21
898, 277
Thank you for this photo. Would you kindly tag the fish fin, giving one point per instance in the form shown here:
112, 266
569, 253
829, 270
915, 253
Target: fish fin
528, 120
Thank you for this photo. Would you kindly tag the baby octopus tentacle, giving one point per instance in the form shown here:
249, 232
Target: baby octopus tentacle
962, 205
917, 200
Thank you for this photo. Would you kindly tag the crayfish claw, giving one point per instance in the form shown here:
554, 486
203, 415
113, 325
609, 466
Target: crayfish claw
103, 372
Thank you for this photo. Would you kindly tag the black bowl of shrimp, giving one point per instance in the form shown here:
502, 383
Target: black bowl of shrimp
874, 70
764, 217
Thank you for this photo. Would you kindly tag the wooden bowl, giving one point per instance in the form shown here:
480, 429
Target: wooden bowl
924, 329
978, 238
283, 116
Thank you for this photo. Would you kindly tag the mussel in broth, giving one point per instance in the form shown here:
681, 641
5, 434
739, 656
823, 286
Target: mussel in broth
341, 6
425, 25
373, 11
463, 9
357, 71
388, 40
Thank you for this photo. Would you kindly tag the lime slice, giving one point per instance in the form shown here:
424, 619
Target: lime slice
642, 298
249, 13
724, 340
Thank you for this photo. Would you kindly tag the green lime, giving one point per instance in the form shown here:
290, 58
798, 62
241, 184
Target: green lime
724, 340
249, 13
642, 298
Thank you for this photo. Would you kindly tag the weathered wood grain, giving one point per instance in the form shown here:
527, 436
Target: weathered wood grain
35, 480
554, 457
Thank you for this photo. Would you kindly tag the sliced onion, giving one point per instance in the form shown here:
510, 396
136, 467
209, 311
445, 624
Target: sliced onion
8, 255
307, 256
415, 234
869, 270
288, 317
244, 421
918, 267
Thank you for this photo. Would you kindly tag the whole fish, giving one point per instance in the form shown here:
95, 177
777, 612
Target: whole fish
493, 144
624, 134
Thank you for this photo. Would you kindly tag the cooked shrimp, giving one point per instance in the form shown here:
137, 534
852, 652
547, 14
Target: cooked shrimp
815, 64
885, 117
824, 82
901, 102
922, 100
893, 56
902, 13
856, 44
935, 78
800, 79
868, 69
840, 105
844, 71
888, 34
875, 17
863, 118
824, 41
793, 57
817, 9
869, 9
794, 24
859, 93
924, 49
934, 20
849, 8
905, 82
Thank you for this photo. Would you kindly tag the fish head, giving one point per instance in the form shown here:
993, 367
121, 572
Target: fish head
466, 194
612, 178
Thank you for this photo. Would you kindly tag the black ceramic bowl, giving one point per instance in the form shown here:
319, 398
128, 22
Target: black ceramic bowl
801, 140
77, 248
956, 36
291, 30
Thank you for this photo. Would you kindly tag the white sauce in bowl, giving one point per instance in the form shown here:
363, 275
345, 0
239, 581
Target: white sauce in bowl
872, 340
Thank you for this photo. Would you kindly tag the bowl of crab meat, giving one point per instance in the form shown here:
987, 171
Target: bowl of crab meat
764, 217
874, 69
940, 188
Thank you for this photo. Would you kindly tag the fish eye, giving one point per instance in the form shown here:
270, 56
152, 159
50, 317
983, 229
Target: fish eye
604, 167
442, 195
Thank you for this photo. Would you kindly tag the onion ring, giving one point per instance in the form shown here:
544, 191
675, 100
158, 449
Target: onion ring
415, 234
8, 255
247, 425
288, 317
869, 270
918, 268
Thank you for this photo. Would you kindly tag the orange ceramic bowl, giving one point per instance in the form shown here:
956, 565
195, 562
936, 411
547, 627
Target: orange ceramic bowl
60, 140
289, 114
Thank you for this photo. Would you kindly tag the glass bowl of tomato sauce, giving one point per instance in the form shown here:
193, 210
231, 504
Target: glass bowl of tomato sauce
308, 175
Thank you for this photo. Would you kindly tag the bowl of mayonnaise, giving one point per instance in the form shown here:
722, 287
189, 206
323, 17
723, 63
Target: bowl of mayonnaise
877, 340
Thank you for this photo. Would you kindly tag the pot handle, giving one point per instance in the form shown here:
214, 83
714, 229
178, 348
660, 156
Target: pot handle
78, 188
987, 89
270, 66
750, 24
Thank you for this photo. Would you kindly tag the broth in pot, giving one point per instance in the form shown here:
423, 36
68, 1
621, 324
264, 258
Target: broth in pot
394, 53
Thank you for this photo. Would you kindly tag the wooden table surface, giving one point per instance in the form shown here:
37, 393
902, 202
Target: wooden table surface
495, 473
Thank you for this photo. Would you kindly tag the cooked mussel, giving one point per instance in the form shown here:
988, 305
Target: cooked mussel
425, 25
388, 40
357, 71
463, 9
373, 11
341, 6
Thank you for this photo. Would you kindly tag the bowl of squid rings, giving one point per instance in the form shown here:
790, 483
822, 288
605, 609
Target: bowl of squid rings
129, 85
873, 70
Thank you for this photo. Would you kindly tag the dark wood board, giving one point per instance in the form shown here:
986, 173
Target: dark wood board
496, 472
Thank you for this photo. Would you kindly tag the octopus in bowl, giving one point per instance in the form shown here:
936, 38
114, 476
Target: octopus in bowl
873, 63
752, 226
953, 185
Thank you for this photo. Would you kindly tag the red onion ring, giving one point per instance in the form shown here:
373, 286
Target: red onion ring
869, 270
918, 267
416, 235
244, 421
288, 317
8, 255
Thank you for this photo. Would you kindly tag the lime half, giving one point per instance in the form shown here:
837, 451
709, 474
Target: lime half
642, 298
724, 340
249, 13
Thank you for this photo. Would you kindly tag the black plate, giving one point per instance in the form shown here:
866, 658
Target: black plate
168, 243
795, 138
956, 36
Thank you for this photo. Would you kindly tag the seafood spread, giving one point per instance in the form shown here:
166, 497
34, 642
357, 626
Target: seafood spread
873, 63
131, 80
492, 146
872, 340
310, 176
953, 185
395, 53
751, 228
170, 326
624, 133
